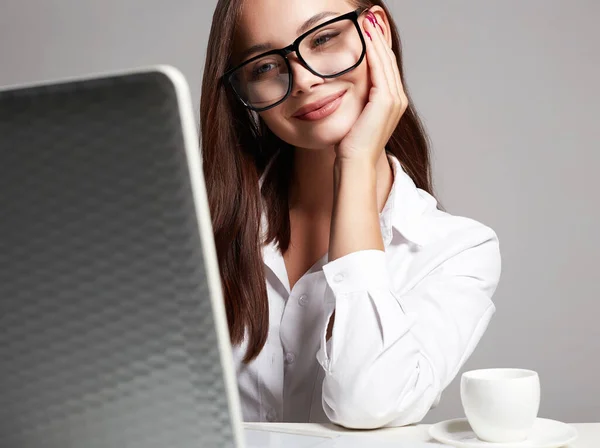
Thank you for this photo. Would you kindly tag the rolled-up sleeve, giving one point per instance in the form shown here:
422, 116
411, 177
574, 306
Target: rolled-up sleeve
392, 353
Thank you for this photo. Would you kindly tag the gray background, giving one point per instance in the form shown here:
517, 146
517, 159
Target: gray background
509, 94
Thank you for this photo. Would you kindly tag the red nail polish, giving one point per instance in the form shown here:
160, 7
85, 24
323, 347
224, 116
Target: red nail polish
367, 33
373, 19
377, 22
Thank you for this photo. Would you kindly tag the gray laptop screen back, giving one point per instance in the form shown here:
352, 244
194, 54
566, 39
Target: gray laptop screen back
106, 326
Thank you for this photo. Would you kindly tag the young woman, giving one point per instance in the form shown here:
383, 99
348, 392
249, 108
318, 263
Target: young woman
350, 296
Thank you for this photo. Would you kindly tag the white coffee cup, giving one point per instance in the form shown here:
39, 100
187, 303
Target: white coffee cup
501, 405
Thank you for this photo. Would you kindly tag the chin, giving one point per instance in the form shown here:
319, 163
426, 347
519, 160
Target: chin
327, 132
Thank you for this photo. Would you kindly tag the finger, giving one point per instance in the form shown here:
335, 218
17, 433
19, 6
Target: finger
388, 60
397, 78
373, 59
395, 70
380, 48
399, 92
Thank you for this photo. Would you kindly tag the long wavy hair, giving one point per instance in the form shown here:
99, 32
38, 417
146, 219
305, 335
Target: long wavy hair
237, 146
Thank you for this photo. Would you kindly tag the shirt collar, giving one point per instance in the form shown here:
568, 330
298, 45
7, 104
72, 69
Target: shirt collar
404, 207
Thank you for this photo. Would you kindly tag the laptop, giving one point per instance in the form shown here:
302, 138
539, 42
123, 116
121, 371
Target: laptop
112, 325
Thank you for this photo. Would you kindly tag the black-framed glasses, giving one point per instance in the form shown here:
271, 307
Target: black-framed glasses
328, 50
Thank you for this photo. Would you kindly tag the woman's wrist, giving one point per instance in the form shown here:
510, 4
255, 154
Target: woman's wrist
355, 219
356, 170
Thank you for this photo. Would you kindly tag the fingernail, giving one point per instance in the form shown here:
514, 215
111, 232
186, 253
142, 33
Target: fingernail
373, 19
367, 33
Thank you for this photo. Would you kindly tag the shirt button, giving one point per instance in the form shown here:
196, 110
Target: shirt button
290, 358
271, 416
338, 278
303, 300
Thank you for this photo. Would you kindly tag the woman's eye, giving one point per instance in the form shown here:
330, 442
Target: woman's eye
323, 39
264, 68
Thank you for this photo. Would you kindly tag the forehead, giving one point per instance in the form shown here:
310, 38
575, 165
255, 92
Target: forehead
276, 22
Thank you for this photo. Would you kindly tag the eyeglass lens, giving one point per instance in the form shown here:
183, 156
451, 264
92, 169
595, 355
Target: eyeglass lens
328, 51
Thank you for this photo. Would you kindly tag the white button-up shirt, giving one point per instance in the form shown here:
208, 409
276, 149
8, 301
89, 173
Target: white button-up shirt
406, 320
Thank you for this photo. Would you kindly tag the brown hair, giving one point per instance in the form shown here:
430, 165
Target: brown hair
236, 148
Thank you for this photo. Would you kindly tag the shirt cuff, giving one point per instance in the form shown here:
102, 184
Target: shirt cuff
358, 271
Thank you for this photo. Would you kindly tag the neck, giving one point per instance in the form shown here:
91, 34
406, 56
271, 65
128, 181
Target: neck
311, 189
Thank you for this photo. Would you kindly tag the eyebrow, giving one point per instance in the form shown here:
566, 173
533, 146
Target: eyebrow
314, 20
310, 23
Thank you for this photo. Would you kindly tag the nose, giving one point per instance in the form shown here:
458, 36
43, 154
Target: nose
303, 79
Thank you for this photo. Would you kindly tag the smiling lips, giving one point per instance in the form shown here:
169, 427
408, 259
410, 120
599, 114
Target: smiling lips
320, 109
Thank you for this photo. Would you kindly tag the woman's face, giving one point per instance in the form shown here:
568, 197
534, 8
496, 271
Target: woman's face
275, 22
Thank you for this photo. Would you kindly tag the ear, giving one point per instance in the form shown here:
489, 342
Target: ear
383, 21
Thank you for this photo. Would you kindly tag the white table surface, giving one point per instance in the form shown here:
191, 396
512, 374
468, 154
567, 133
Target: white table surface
589, 433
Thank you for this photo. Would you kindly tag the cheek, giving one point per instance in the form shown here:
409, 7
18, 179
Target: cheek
276, 122
315, 135
362, 83
359, 83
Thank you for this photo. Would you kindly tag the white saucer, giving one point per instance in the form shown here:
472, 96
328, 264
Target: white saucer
545, 434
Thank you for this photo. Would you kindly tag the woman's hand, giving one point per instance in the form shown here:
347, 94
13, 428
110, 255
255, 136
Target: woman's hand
386, 104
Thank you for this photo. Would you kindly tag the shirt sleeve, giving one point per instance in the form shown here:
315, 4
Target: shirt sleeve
392, 354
